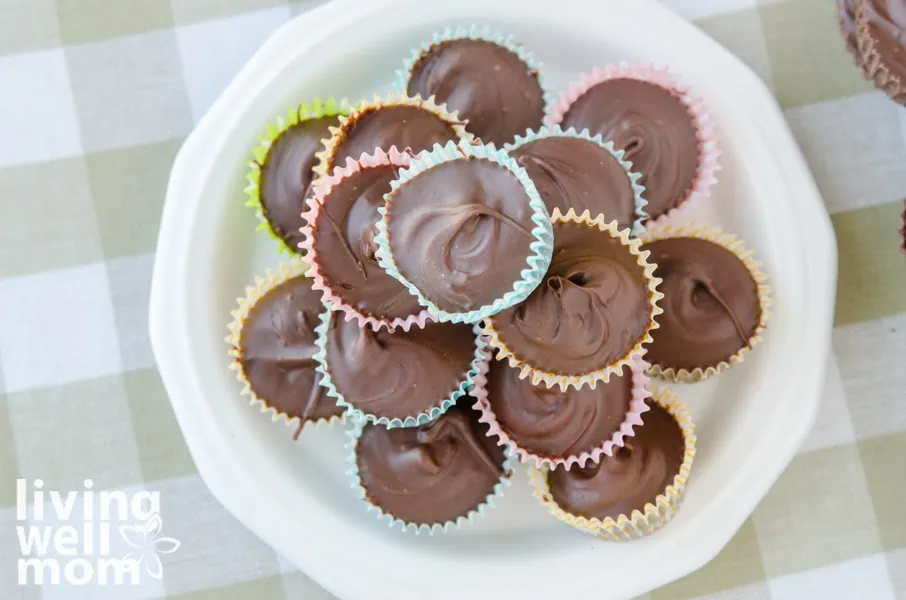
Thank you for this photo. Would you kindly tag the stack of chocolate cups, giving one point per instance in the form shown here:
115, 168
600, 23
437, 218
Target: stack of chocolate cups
484, 274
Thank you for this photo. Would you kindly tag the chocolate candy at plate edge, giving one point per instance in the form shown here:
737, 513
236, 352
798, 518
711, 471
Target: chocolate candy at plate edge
432, 473
462, 232
490, 86
398, 374
277, 348
343, 243
572, 172
635, 475
287, 175
881, 31
591, 309
653, 126
552, 423
711, 304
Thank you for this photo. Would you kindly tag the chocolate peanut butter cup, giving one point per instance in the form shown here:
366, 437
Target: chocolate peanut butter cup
582, 172
881, 37
637, 490
665, 133
282, 171
433, 477
411, 124
273, 343
716, 301
490, 80
549, 426
592, 313
397, 378
465, 230
338, 240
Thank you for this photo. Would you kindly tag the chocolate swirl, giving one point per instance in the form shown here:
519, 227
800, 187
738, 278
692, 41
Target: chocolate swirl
432, 473
277, 348
461, 232
590, 310
579, 174
490, 86
286, 176
344, 243
634, 476
406, 127
711, 305
554, 424
655, 129
399, 374
886, 23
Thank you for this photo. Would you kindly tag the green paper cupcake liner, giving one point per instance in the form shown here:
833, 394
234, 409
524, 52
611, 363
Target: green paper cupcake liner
541, 248
315, 109
419, 528
356, 414
476, 33
553, 131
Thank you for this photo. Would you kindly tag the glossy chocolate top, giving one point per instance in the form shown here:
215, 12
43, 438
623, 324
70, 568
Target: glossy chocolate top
589, 311
634, 476
579, 174
432, 473
398, 374
277, 348
655, 129
490, 86
286, 176
711, 306
887, 26
406, 127
554, 424
461, 232
344, 243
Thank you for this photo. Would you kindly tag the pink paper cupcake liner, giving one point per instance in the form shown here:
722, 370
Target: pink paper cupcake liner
313, 209
637, 406
708, 150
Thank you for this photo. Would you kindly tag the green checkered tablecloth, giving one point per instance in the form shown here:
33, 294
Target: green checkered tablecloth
96, 97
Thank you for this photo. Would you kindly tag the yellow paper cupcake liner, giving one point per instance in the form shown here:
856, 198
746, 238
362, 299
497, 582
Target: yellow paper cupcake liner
736, 246
653, 515
316, 109
296, 267
591, 378
325, 158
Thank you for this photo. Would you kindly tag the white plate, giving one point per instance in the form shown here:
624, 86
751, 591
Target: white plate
295, 495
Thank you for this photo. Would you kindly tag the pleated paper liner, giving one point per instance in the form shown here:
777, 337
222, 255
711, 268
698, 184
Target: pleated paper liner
647, 519
736, 246
603, 373
874, 64
315, 109
709, 153
313, 208
419, 528
325, 162
540, 249
466, 385
846, 19
633, 418
555, 131
476, 33
263, 284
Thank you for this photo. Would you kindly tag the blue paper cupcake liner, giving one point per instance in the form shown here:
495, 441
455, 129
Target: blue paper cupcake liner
477, 33
541, 248
504, 482
638, 189
356, 414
